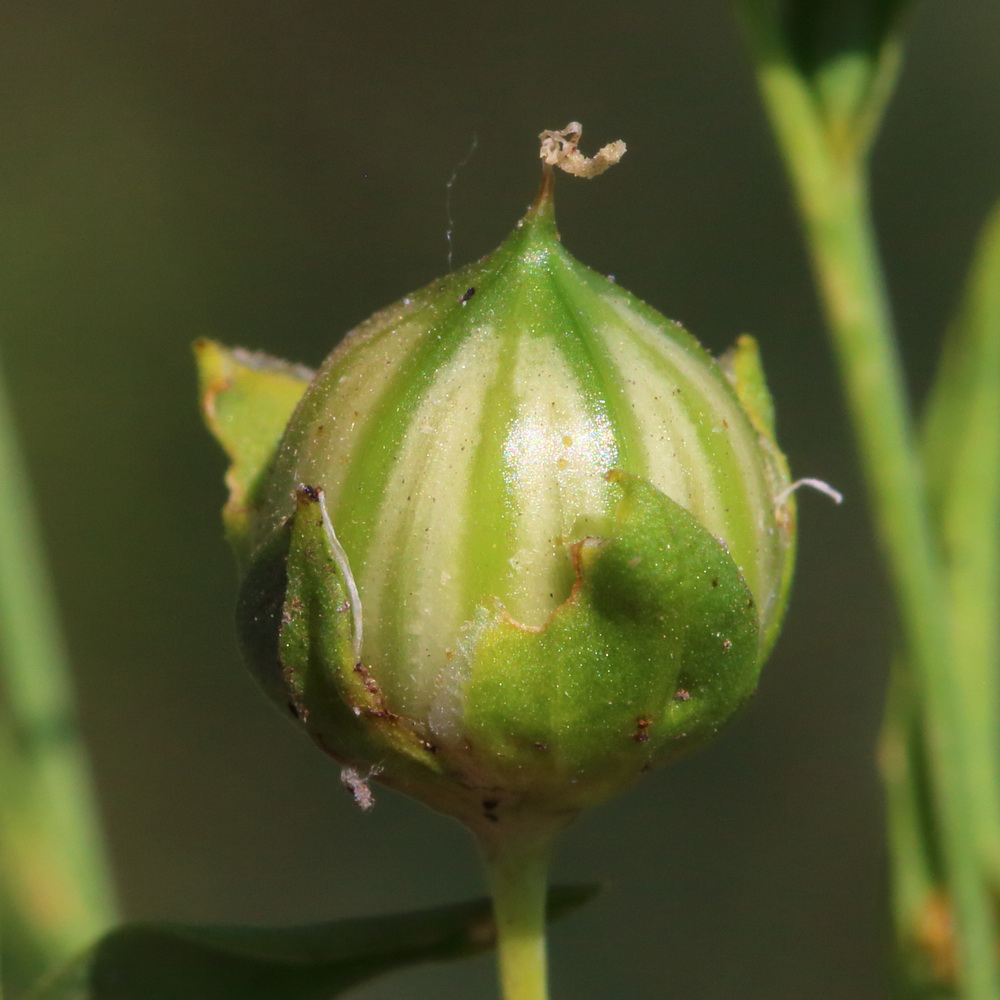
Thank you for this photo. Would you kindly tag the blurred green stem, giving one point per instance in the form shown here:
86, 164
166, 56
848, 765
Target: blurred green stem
829, 179
518, 876
54, 868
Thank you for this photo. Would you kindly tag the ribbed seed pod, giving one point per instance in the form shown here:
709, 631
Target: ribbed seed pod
521, 540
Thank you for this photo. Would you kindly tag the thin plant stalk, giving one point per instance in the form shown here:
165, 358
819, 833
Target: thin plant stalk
54, 864
518, 877
831, 189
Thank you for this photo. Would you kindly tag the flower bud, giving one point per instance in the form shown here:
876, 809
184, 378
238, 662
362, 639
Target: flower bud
521, 540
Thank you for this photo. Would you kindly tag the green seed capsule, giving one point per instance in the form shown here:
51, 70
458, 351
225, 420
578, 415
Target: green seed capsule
521, 540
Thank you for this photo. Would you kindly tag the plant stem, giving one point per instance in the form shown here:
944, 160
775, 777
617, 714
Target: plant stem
831, 190
915, 874
518, 876
54, 864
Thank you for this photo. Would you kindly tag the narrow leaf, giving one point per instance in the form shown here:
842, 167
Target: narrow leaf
316, 962
847, 50
823, 29
962, 453
55, 886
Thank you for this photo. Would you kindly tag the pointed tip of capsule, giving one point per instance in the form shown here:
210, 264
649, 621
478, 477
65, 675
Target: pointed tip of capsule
560, 148
543, 208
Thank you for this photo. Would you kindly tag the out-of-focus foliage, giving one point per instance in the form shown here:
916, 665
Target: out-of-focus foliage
848, 52
318, 962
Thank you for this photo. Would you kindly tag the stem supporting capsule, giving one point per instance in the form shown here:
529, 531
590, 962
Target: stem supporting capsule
518, 877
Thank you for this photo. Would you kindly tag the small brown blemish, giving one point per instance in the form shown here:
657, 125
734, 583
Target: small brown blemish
428, 746
715, 581
381, 713
309, 492
291, 610
541, 746
482, 933
641, 734
681, 694
371, 685
727, 643
379, 710
935, 936
213, 391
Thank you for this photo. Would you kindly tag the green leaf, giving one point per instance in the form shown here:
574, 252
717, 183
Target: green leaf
55, 887
316, 962
847, 50
820, 30
742, 366
827, 67
960, 427
962, 455
246, 400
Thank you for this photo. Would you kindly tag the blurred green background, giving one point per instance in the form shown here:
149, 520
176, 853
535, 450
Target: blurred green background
269, 173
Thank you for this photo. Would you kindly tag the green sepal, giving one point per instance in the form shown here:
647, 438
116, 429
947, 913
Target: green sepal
296, 625
743, 367
247, 399
315, 962
655, 648
848, 51
259, 610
